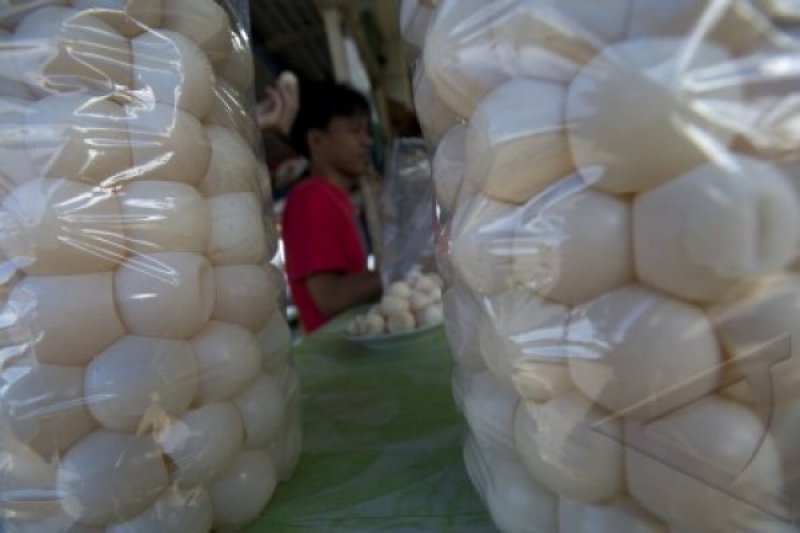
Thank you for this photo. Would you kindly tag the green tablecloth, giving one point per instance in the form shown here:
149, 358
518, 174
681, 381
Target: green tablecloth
383, 443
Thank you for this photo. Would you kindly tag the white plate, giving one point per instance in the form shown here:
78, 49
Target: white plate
390, 341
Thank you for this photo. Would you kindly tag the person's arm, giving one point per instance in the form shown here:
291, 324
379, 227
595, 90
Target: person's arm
334, 292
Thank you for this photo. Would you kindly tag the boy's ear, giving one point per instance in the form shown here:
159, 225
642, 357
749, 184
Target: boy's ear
314, 138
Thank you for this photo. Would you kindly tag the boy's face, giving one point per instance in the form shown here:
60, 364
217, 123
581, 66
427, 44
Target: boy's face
345, 145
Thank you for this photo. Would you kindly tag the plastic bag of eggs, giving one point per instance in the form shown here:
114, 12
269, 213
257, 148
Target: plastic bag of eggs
146, 382
408, 304
624, 183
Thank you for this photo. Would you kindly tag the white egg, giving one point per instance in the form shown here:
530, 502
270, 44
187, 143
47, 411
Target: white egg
247, 295
177, 511
173, 71
77, 137
709, 466
641, 354
481, 244
44, 406
238, 68
57, 226
140, 381
68, 50
435, 118
504, 136
243, 490
399, 289
165, 294
702, 234
229, 361
620, 515
232, 167
71, 318
375, 324
622, 152
739, 26
461, 327
274, 341
239, 233
418, 300
286, 449
571, 447
562, 232
770, 311
489, 410
12, 13
516, 501
400, 322
204, 22
129, 17
449, 172
229, 110
522, 338
165, 216
110, 477
27, 480
203, 443
430, 315
167, 144
16, 165
262, 408
548, 40
394, 304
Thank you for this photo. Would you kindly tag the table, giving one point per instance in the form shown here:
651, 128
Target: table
383, 443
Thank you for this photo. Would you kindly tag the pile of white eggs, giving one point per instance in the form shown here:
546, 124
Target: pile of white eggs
620, 257
145, 376
407, 305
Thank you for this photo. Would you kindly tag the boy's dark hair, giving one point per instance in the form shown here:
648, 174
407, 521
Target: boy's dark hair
321, 102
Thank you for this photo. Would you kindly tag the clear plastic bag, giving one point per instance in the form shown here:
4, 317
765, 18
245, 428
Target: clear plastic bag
146, 382
621, 256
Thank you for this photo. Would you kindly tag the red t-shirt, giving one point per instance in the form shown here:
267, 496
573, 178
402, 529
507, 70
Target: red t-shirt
320, 234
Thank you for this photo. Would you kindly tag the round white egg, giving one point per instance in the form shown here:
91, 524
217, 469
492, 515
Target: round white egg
165, 294
463, 313
243, 490
205, 22
522, 338
177, 511
73, 318
504, 137
173, 71
167, 144
700, 235
391, 304
481, 244
110, 477
710, 466
399, 289
430, 315
639, 353
129, 17
232, 167
77, 137
229, 110
489, 410
571, 447
27, 480
247, 295
238, 230
274, 342
619, 515
44, 406
400, 322
229, 361
262, 408
164, 216
623, 152
287, 448
448, 168
69, 50
435, 118
140, 381
203, 443
573, 244
59, 226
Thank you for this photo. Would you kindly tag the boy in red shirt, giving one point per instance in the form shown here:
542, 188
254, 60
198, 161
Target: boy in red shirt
325, 253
